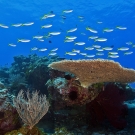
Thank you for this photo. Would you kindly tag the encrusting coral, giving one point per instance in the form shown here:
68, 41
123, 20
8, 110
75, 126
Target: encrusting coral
95, 71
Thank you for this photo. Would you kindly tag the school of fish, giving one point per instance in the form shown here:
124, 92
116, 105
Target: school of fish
91, 51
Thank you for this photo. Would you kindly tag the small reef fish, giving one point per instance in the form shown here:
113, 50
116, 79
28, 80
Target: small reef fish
42, 49
123, 49
107, 30
68, 40
79, 43
112, 53
121, 28
101, 39
128, 53
17, 25
113, 56
48, 16
13, 45
63, 16
4, 26
99, 22
107, 48
44, 17
71, 37
93, 37
88, 48
91, 30
54, 33
67, 11
34, 49
47, 36
38, 37
72, 30
83, 54
81, 17
100, 54
129, 43
76, 51
99, 50
55, 49
46, 26
23, 40
90, 56
52, 53
41, 40
83, 34
96, 46
28, 24
71, 53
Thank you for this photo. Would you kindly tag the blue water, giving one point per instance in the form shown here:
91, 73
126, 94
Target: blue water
111, 13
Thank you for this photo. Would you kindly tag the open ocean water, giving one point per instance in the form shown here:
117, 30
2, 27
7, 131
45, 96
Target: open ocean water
110, 23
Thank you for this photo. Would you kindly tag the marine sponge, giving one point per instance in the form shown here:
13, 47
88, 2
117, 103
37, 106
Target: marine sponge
95, 71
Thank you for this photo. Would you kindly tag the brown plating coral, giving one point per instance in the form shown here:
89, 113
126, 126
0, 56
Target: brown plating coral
95, 71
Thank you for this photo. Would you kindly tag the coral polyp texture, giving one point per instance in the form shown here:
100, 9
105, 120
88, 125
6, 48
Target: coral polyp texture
95, 71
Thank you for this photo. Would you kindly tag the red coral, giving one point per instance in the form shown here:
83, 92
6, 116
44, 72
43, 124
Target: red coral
109, 104
9, 120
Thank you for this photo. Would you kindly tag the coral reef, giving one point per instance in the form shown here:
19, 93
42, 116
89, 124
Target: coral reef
4, 72
103, 100
34, 69
72, 92
67, 97
27, 72
95, 71
17, 82
109, 104
9, 118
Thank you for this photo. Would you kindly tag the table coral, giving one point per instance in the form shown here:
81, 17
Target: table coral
95, 71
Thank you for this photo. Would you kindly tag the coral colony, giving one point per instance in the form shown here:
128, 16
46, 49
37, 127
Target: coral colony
91, 93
